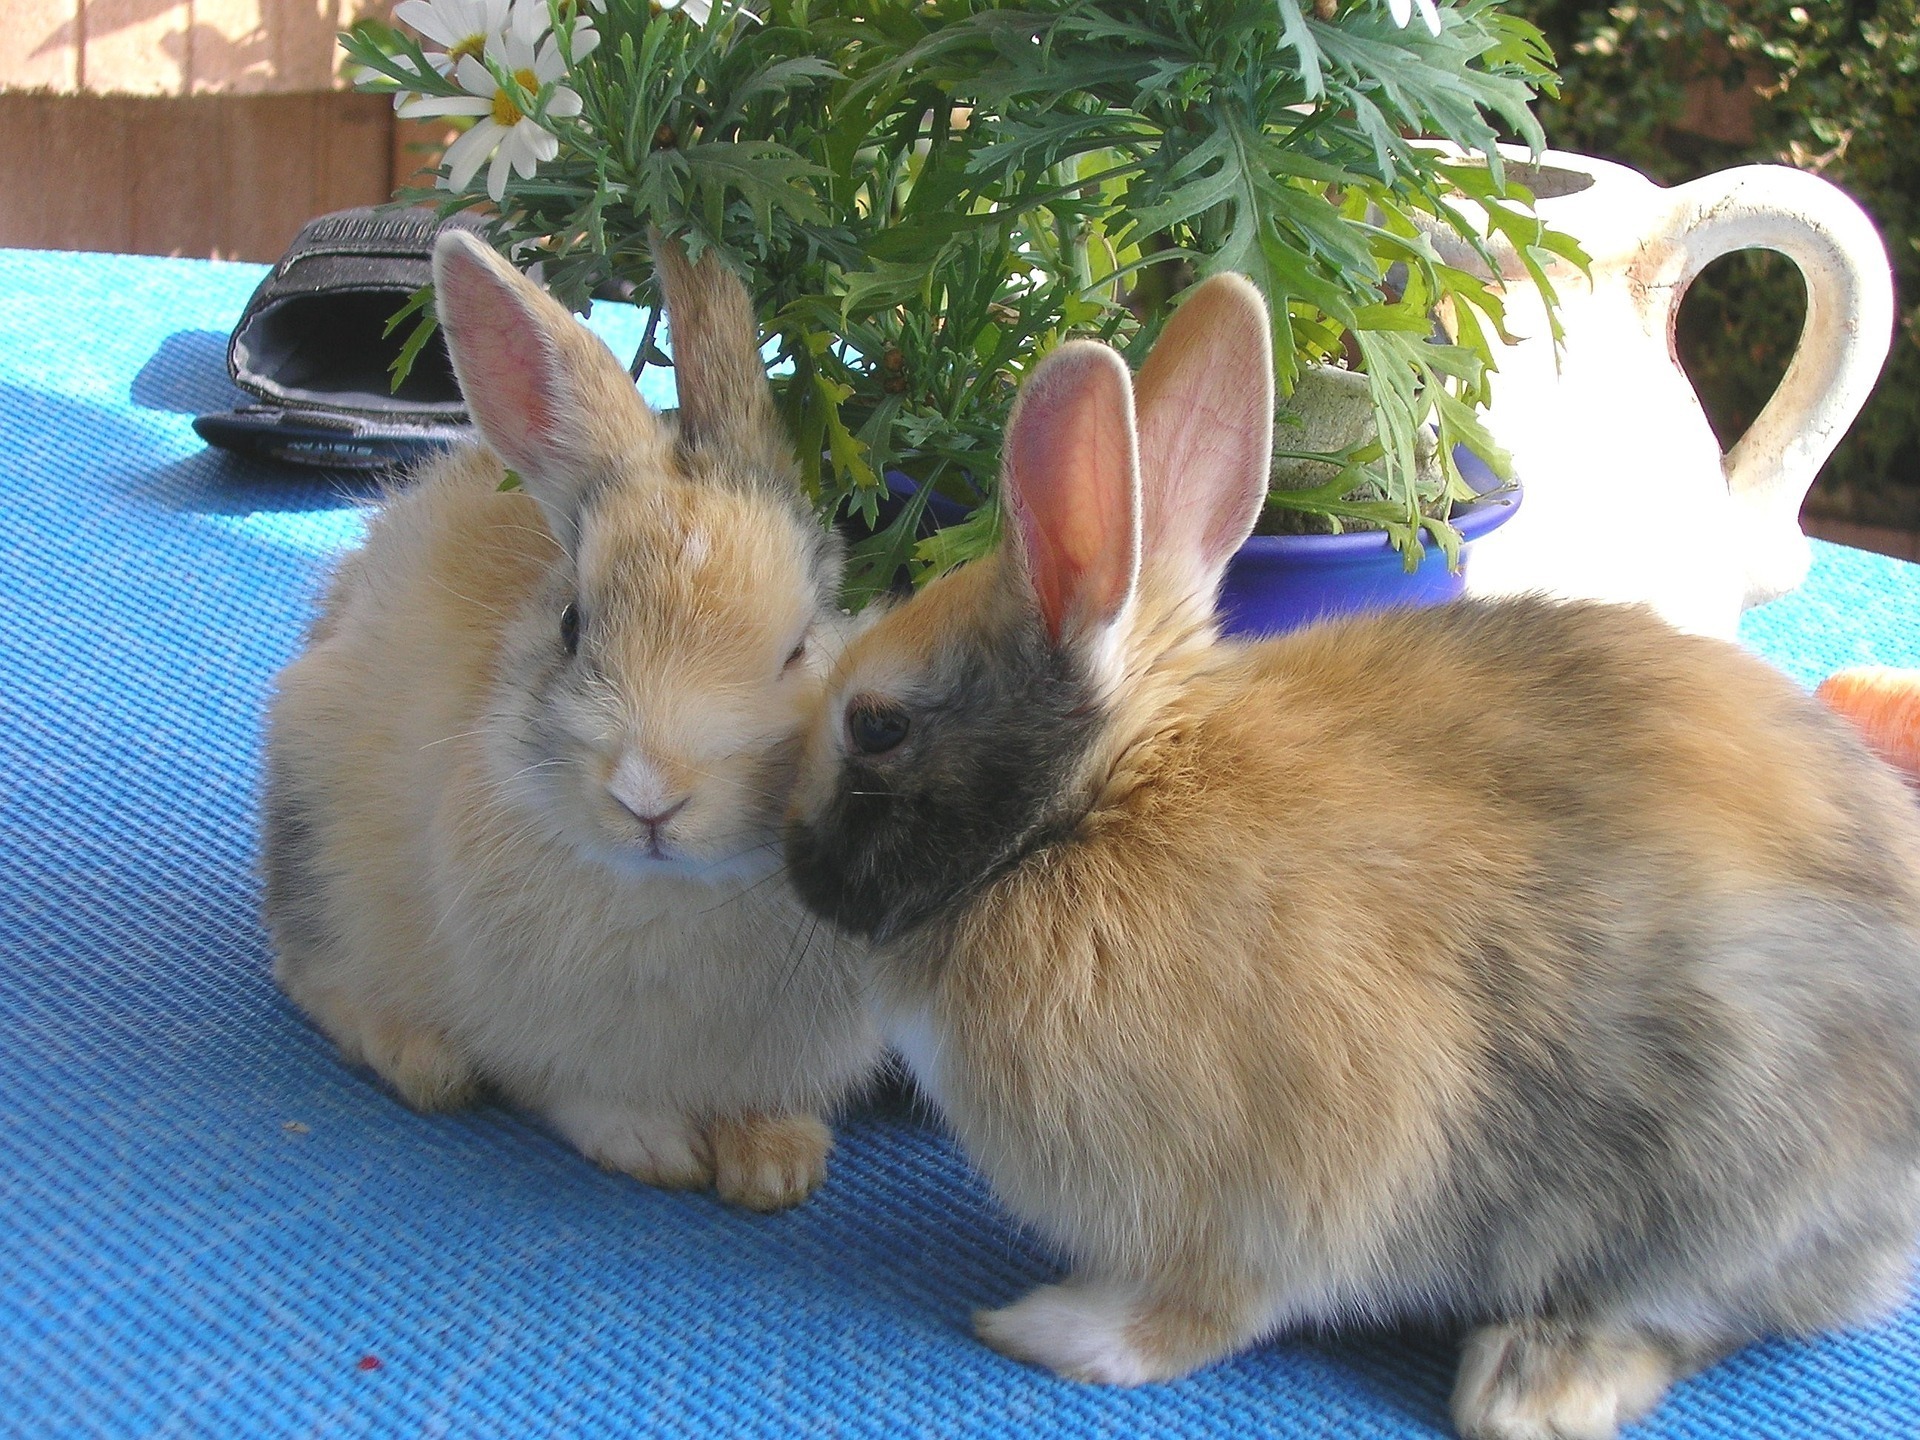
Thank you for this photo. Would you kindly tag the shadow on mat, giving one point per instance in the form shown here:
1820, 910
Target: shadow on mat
188, 375
124, 456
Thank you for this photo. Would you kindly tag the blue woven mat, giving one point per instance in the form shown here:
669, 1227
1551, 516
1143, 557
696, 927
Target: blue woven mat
209, 1228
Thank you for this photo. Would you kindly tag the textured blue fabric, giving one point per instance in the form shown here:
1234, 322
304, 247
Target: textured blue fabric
207, 1225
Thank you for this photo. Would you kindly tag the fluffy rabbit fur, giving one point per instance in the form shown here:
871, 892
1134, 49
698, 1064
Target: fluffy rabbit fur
524, 786
1528, 966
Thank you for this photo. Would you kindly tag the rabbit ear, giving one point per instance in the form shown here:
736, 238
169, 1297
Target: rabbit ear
1205, 397
725, 403
546, 394
1071, 481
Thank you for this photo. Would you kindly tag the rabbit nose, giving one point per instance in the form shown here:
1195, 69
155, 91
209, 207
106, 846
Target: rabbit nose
653, 822
646, 792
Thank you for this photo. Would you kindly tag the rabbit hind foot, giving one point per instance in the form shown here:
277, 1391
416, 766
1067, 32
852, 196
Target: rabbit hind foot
1540, 1379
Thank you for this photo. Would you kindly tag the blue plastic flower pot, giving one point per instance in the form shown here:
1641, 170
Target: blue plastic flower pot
1276, 583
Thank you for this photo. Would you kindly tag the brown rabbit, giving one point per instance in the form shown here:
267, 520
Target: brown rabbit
1525, 965
524, 786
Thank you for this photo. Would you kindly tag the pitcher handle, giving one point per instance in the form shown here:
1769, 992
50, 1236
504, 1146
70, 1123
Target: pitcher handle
1842, 345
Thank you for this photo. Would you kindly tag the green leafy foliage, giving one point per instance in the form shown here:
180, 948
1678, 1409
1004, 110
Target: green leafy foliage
925, 198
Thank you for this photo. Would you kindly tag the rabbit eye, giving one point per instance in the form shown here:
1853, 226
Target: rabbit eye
570, 628
875, 727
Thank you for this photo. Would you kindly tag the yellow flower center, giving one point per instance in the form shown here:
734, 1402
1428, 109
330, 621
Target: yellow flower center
474, 45
505, 112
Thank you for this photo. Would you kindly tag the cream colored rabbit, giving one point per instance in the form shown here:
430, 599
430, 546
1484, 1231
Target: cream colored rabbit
524, 785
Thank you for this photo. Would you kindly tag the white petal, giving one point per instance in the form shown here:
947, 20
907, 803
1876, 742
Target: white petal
515, 150
516, 52
428, 105
497, 176
1401, 11
1428, 14
475, 78
700, 10
514, 141
585, 41
537, 144
467, 154
565, 104
549, 65
425, 18
526, 23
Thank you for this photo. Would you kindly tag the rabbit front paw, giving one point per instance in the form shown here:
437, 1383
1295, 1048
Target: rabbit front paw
418, 1061
661, 1149
423, 1065
768, 1162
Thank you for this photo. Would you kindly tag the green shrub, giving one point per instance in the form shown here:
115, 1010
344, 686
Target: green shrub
925, 197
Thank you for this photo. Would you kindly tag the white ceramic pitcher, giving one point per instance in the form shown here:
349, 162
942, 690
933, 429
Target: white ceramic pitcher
1628, 496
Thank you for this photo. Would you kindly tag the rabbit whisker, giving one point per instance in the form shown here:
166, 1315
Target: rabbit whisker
507, 528
465, 599
797, 948
459, 735
484, 861
779, 797
746, 892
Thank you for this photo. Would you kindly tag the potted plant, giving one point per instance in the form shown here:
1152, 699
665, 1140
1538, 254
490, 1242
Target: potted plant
925, 197
1298, 567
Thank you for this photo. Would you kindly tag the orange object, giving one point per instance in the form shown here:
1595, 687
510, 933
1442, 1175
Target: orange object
1885, 704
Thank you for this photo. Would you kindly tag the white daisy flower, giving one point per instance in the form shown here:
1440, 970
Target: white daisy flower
463, 26
528, 22
512, 139
700, 11
1402, 12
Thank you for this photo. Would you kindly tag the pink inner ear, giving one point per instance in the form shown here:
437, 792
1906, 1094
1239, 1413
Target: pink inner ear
1072, 486
505, 366
1206, 425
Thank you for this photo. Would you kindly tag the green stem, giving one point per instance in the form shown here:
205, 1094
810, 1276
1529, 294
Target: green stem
646, 342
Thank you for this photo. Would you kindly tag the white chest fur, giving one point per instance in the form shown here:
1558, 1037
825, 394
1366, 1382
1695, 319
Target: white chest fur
911, 1031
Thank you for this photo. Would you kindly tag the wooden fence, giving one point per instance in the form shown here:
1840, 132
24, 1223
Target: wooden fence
186, 127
